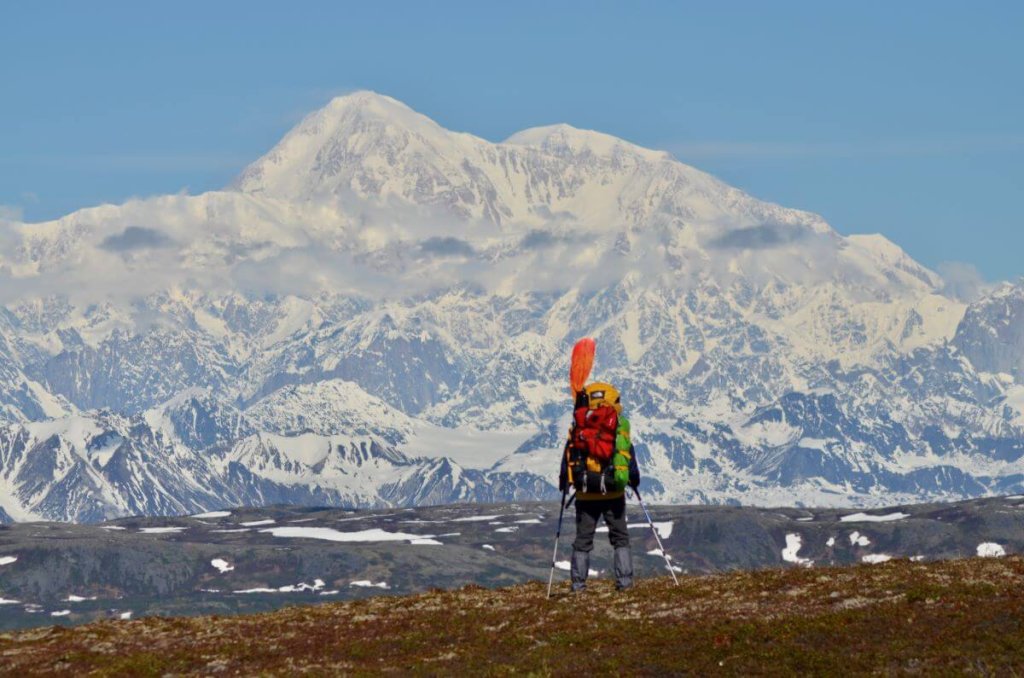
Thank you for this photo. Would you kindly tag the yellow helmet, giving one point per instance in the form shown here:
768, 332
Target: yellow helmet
599, 394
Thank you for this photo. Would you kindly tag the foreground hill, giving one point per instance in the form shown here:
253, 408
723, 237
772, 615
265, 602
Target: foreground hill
964, 616
257, 560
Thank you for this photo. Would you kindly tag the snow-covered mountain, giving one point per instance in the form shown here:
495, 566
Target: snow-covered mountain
379, 312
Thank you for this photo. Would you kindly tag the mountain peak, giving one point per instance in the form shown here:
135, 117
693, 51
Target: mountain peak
369, 103
365, 97
338, 147
563, 139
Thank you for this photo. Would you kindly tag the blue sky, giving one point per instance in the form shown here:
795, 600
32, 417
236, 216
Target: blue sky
905, 118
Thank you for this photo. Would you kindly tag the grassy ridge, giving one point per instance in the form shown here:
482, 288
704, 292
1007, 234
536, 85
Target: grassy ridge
963, 616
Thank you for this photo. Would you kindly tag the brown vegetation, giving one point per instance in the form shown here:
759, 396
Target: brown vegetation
963, 616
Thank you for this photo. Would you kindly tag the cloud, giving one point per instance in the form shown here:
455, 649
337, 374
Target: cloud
136, 238
447, 246
536, 240
760, 237
11, 213
962, 281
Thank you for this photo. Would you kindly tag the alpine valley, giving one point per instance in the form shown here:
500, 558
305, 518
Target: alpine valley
378, 313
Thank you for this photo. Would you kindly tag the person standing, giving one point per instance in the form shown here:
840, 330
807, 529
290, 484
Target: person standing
600, 463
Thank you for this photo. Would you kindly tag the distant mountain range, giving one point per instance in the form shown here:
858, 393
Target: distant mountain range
378, 312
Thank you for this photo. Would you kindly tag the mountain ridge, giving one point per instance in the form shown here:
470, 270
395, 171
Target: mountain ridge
439, 280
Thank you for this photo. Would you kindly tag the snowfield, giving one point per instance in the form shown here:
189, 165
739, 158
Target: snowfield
326, 533
867, 518
664, 528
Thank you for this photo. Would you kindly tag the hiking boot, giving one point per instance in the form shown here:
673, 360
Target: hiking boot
579, 568
623, 568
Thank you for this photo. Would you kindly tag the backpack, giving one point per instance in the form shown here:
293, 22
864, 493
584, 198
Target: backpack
599, 450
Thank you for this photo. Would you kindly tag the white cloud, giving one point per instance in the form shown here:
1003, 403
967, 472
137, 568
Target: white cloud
11, 213
962, 280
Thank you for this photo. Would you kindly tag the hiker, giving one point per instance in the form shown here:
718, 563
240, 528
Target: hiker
600, 464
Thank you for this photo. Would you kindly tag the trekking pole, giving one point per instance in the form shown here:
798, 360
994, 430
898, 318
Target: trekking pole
661, 546
558, 534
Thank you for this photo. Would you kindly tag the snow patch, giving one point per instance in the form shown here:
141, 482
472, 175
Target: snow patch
564, 565
125, 616
875, 558
317, 585
488, 547
212, 514
330, 534
858, 539
664, 528
7, 560
60, 613
366, 583
78, 599
222, 565
258, 523
160, 530
789, 554
990, 549
868, 518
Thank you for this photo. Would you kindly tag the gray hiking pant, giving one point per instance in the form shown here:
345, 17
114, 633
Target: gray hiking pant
589, 512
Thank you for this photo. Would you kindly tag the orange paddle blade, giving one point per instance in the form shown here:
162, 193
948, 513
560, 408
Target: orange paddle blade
582, 362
